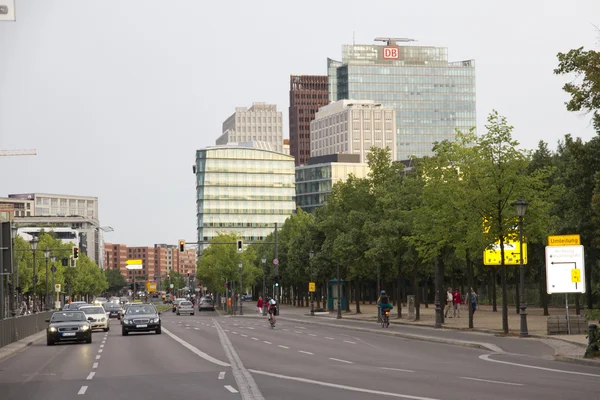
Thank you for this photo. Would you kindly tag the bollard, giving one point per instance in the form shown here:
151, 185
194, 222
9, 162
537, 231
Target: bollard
593, 339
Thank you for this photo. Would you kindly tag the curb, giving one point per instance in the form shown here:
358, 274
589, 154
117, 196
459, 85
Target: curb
576, 360
13, 348
455, 342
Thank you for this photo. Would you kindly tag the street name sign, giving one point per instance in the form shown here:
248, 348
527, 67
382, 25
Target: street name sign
565, 269
133, 264
564, 240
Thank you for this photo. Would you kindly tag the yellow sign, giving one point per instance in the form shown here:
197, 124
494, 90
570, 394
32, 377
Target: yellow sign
575, 275
57, 287
564, 240
511, 254
312, 287
151, 287
133, 262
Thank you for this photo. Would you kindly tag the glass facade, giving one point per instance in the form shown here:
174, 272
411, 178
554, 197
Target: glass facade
431, 96
314, 182
244, 190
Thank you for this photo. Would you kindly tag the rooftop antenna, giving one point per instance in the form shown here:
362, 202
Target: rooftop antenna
392, 41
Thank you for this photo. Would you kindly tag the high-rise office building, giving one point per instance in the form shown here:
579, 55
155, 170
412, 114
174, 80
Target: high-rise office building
259, 123
432, 97
242, 188
353, 127
307, 94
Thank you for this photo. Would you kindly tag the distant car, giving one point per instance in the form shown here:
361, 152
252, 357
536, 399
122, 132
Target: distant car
185, 307
246, 297
100, 300
141, 318
176, 303
68, 326
97, 317
206, 303
124, 300
113, 310
76, 305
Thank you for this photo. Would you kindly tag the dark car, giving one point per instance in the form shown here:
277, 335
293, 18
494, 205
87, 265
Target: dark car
206, 303
113, 310
68, 326
76, 305
141, 318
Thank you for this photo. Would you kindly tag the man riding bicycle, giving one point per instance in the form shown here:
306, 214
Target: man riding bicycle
384, 304
272, 304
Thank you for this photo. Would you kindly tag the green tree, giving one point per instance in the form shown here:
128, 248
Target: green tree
116, 281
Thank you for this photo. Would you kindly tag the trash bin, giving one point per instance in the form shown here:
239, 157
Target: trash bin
333, 295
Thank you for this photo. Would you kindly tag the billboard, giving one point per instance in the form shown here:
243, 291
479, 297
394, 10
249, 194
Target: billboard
150, 287
22, 196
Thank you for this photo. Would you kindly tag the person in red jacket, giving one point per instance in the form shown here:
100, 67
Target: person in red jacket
457, 300
259, 305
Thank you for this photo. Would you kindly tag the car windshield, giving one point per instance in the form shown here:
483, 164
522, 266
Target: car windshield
112, 306
67, 316
141, 309
77, 306
186, 303
93, 310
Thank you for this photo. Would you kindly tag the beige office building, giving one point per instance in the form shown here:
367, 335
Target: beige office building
353, 127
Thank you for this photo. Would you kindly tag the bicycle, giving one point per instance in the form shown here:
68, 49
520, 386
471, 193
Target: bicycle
271, 320
385, 318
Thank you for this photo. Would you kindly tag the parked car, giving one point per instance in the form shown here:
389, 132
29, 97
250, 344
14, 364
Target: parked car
141, 318
68, 326
96, 315
206, 303
185, 307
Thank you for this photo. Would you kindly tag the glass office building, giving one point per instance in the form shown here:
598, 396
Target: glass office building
432, 97
242, 189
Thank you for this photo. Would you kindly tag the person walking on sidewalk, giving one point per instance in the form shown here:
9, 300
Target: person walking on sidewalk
473, 300
449, 301
259, 305
456, 302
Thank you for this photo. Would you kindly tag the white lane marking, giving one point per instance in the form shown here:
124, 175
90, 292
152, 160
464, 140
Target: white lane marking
250, 328
104, 341
222, 375
396, 369
101, 346
286, 330
90, 376
264, 341
195, 350
299, 327
248, 388
306, 352
297, 332
82, 390
235, 333
488, 381
98, 357
188, 328
231, 389
348, 341
344, 387
242, 335
95, 365
227, 330
312, 334
486, 357
199, 328
344, 361
254, 338
283, 347
100, 351
327, 337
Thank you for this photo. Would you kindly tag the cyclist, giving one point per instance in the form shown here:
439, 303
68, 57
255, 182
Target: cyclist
272, 304
384, 303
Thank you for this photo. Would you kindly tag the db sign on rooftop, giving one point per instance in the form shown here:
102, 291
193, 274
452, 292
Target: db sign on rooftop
391, 53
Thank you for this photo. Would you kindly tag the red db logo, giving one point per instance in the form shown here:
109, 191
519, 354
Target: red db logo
390, 53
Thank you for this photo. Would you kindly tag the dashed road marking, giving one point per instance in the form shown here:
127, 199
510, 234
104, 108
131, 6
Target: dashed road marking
283, 347
231, 389
95, 365
82, 390
343, 361
488, 381
312, 334
297, 332
397, 369
330, 338
100, 351
222, 375
264, 341
242, 335
254, 338
306, 352
235, 333
348, 341
98, 357
90, 376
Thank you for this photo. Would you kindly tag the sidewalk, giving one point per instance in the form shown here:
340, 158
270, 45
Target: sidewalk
13, 348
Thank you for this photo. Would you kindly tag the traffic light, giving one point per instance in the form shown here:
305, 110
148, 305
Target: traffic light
240, 245
75, 253
181, 246
168, 276
276, 280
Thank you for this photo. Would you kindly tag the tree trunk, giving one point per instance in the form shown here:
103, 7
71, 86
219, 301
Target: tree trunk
504, 288
518, 296
440, 289
416, 293
494, 284
358, 296
577, 304
399, 288
542, 288
469, 291
348, 295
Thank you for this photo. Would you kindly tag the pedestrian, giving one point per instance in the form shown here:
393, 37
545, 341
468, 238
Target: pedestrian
456, 302
259, 304
449, 301
473, 300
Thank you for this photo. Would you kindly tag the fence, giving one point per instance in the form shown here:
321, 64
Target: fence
17, 328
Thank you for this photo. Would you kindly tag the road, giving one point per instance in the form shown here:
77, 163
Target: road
220, 357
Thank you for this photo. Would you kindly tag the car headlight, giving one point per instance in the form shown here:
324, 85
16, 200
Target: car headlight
127, 321
156, 320
52, 329
103, 319
85, 327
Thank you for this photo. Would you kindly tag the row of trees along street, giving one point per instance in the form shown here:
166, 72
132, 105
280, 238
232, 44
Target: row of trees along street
398, 222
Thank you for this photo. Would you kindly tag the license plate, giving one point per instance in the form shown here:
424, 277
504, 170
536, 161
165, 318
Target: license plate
68, 334
141, 326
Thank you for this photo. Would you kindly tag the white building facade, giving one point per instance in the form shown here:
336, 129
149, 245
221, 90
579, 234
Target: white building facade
353, 127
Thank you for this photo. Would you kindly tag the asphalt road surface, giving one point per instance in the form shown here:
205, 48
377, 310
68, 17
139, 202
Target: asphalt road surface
220, 357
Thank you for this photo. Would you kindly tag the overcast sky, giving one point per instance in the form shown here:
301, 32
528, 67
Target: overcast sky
116, 96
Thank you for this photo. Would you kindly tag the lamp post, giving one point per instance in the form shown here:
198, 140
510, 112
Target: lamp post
264, 265
339, 289
53, 270
15, 276
47, 255
521, 208
312, 295
34, 244
240, 266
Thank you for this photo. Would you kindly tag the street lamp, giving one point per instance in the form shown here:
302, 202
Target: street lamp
34, 244
47, 255
53, 269
521, 208
312, 295
264, 265
240, 266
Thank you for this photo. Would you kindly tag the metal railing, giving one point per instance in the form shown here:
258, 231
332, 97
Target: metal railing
17, 328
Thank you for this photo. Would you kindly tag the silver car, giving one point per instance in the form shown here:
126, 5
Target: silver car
185, 307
